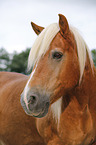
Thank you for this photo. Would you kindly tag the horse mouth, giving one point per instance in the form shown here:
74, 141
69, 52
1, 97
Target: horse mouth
41, 113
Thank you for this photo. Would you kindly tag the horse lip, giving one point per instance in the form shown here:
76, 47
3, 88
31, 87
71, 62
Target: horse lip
43, 112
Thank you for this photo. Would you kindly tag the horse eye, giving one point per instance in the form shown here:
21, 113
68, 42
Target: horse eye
57, 55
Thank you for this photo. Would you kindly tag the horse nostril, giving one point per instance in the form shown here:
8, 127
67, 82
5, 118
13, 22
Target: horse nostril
32, 100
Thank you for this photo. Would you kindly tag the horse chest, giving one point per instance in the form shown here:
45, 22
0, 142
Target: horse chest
76, 127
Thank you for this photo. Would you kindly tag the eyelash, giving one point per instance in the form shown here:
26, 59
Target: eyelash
57, 55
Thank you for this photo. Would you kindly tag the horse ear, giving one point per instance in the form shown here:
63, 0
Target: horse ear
36, 28
63, 24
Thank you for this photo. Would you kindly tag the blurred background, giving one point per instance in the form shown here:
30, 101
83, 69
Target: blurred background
17, 36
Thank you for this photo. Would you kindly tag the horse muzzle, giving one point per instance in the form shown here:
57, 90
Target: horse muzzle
34, 103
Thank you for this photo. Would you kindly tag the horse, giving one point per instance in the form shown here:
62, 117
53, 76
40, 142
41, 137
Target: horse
58, 100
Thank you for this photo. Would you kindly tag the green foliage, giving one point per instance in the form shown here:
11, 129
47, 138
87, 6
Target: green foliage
4, 60
16, 62
94, 56
4, 54
19, 62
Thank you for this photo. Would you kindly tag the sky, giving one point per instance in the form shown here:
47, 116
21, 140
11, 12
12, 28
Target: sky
16, 33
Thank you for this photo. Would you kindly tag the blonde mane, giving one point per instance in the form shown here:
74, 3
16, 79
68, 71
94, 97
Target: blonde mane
42, 44
82, 50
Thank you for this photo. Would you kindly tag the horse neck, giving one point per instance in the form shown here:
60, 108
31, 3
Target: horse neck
85, 92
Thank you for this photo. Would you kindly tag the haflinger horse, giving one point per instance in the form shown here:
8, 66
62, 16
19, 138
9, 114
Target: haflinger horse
59, 96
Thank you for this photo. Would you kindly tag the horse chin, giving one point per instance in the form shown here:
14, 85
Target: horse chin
37, 114
41, 114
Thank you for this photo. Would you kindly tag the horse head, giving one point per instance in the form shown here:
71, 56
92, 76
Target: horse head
57, 69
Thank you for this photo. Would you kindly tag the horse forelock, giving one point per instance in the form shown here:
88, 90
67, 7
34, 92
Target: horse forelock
42, 43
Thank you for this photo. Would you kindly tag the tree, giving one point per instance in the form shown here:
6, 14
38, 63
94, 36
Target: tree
19, 62
94, 56
4, 60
